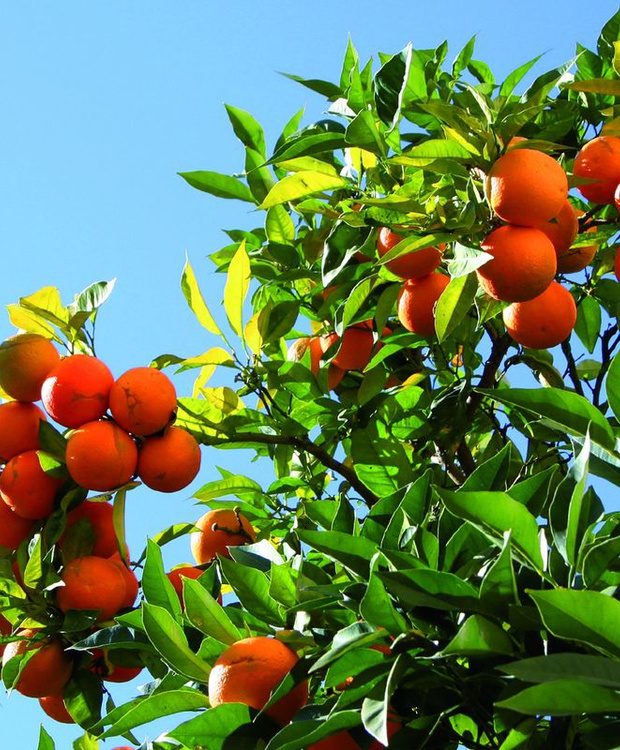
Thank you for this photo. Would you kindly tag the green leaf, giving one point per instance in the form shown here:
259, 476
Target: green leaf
479, 637
143, 710
206, 615
45, 741
583, 616
389, 86
171, 644
236, 289
220, 185
430, 588
327, 89
195, 300
252, 588
380, 461
259, 177
588, 323
563, 698
432, 150
156, 587
354, 552
595, 670
279, 226
247, 129
564, 410
378, 609
362, 132
300, 185
495, 513
307, 143
612, 386
454, 304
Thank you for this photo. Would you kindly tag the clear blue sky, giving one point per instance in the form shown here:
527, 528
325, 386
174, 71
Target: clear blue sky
103, 103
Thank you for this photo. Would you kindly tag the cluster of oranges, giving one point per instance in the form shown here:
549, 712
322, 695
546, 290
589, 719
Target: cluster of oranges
116, 429
528, 193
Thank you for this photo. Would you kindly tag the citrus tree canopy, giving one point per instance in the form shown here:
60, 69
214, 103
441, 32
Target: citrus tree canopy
419, 344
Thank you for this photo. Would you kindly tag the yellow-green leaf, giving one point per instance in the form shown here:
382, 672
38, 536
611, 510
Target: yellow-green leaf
607, 86
253, 336
237, 283
300, 185
29, 322
195, 300
279, 226
307, 164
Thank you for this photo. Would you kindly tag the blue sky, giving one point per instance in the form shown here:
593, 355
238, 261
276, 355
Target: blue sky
102, 105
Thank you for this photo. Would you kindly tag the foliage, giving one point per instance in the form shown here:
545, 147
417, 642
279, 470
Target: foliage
445, 502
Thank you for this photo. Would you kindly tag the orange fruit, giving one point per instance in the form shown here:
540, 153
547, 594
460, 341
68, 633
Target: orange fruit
316, 346
523, 264
143, 400
13, 528
355, 347
5, 629
176, 575
526, 187
169, 462
54, 707
339, 741
411, 265
544, 321
599, 160
19, 428
92, 583
132, 585
101, 456
104, 666
563, 228
76, 390
25, 361
577, 258
97, 518
249, 670
26, 488
416, 302
47, 671
219, 529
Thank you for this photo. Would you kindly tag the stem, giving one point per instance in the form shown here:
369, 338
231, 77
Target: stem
572, 367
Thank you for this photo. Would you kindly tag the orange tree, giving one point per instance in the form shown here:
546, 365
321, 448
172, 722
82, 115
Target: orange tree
434, 543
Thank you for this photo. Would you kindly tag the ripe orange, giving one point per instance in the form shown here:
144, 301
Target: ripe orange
46, 672
101, 456
104, 666
523, 265
19, 428
186, 571
76, 390
54, 707
13, 528
411, 265
98, 522
219, 529
355, 347
416, 302
132, 585
92, 583
599, 160
26, 488
544, 321
563, 228
317, 348
169, 462
25, 361
526, 187
143, 400
339, 741
5, 629
249, 670
577, 258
